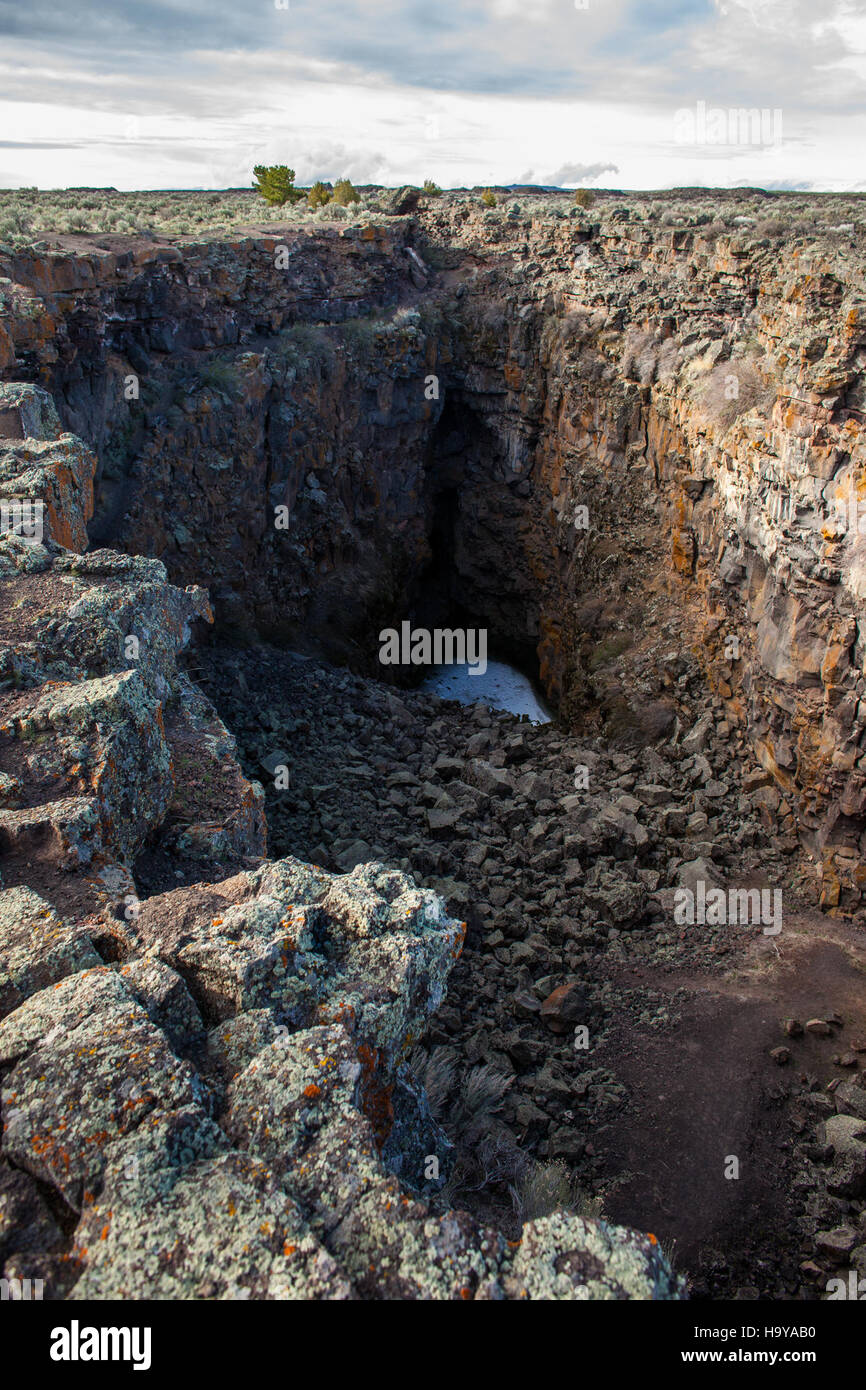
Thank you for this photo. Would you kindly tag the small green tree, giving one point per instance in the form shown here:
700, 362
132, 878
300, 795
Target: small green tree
488, 198
276, 184
583, 198
318, 195
345, 193
431, 189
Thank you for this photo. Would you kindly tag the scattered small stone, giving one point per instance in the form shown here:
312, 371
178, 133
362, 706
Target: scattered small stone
818, 1027
836, 1244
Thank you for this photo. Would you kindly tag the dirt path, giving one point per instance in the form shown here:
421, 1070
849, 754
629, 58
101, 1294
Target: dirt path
706, 1090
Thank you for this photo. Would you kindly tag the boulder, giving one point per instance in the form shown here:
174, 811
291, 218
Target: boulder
846, 1135
565, 1007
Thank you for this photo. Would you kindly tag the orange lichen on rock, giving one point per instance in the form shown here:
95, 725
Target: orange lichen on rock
375, 1096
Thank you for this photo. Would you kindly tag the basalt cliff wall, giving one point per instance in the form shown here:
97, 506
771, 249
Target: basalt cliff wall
592, 433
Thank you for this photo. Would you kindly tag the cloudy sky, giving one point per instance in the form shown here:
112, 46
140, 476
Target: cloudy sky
610, 93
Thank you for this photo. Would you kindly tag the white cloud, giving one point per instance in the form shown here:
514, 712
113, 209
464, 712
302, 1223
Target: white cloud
572, 173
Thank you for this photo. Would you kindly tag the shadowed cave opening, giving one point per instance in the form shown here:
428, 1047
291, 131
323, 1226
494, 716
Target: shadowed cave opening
439, 599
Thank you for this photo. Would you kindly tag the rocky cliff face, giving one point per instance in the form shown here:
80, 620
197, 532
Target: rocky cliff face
212, 397
594, 435
704, 403
571, 409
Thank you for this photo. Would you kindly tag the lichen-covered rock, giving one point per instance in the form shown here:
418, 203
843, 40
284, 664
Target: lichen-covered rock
166, 1000
846, 1135
368, 949
43, 465
183, 1217
34, 411
130, 768
89, 1067
68, 827
236, 955
313, 1109
233, 1044
26, 1222
297, 1095
37, 947
58, 475
206, 772
569, 1257
290, 1195
399, 201
102, 740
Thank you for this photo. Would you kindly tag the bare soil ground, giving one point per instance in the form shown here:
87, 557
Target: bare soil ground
707, 1090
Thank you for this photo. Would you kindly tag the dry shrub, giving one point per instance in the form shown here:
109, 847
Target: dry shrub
481, 1096
480, 1090
435, 1071
43, 212
647, 357
638, 361
713, 230
466, 1103
545, 1188
771, 227
732, 389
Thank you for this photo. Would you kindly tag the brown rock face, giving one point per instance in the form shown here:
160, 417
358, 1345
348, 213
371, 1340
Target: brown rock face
558, 425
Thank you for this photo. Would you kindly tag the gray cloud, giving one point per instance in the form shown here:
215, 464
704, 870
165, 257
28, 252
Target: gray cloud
41, 145
129, 29
745, 52
788, 185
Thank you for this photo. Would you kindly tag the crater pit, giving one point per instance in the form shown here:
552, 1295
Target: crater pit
617, 450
